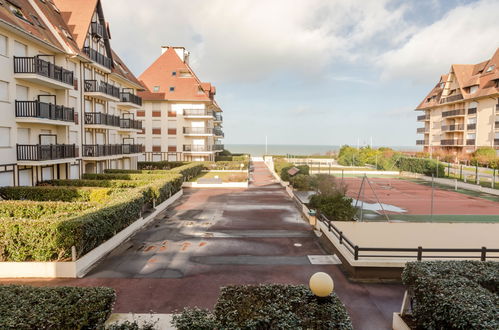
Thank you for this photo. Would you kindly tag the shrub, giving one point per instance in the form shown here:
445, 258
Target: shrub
336, 207
327, 184
302, 182
226, 165
25, 307
127, 325
189, 171
454, 294
420, 165
303, 169
123, 176
272, 306
37, 210
64, 194
97, 183
161, 165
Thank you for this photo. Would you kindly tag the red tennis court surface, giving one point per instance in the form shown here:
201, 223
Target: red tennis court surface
415, 198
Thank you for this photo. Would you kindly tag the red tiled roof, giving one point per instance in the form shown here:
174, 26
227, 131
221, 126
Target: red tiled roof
160, 74
78, 15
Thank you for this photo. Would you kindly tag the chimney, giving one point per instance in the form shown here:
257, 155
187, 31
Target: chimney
164, 49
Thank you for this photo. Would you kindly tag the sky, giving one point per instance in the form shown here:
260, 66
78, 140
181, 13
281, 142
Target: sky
311, 72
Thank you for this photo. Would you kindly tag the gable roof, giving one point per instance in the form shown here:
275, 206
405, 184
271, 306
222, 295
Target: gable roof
78, 15
160, 73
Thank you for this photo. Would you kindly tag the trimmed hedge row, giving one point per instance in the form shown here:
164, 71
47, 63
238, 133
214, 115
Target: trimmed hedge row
421, 165
188, 171
236, 158
98, 183
26, 307
227, 165
454, 294
273, 306
37, 210
122, 176
63, 194
160, 165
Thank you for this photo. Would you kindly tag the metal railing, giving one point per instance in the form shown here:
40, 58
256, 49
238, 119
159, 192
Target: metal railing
421, 142
471, 111
43, 68
102, 150
470, 142
217, 117
218, 147
471, 127
94, 86
423, 117
194, 147
98, 30
37, 109
130, 97
452, 142
40, 152
130, 123
421, 130
98, 57
197, 112
454, 113
451, 128
496, 124
99, 118
496, 142
452, 98
198, 130
417, 253
218, 132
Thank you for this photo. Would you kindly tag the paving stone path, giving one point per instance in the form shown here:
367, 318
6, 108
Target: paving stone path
216, 237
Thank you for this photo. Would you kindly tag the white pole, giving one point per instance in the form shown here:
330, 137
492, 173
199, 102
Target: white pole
266, 151
371, 142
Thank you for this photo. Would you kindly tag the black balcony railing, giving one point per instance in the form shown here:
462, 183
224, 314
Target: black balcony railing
452, 98
496, 142
421, 130
98, 57
471, 127
94, 86
37, 109
470, 142
423, 117
40, 152
130, 123
218, 132
454, 113
197, 112
99, 118
471, 111
43, 68
421, 142
217, 117
102, 150
98, 30
497, 107
452, 128
193, 147
198, 130
496, 124
452, 142
218, 147
131, 98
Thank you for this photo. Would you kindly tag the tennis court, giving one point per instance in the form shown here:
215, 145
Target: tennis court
411, 200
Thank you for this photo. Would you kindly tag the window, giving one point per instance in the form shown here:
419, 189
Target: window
17, 11
473, 89
174, 73
472, 120
4, 136
3, 45
22, 93
172, 89
471, 136
490, 68
4, 91
37, 21
20, 50
156, 89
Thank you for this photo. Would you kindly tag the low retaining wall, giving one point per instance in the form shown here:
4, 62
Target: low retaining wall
215, 185
355, 172
78, 268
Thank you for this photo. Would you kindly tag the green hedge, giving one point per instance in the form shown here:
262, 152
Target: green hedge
63, 194
37, 210
51, 238
98, 183
273, 306
226, 165
421, 165
122, 176
25, 307
237, 158
336, 207
454, 294
161, 165
189, 171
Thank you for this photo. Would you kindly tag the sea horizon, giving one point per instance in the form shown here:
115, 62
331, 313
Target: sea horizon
297, 149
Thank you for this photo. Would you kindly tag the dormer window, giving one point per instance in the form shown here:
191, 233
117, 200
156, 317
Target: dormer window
442, 84
155, 89
174, 73
37, 21
473, 89
17, 11
172, 89
490, 68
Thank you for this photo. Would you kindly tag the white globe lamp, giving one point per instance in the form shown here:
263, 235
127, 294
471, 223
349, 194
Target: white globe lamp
321, 284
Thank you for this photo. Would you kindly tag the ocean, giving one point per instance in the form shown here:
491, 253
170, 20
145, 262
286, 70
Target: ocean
292, 149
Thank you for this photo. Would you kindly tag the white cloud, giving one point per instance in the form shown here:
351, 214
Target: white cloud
248, 40
467, 34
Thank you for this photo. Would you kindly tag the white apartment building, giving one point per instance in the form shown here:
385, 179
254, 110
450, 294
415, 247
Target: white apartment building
181, 119
461, 113
68, 101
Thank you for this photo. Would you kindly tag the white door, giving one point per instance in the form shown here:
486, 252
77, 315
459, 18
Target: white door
23, 135
74, 172
126, 163
88, 137
47, 173
22, 93
25, 178
20, 50
100, 138
6, 179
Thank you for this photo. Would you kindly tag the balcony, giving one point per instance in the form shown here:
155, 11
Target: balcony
496, 142
127, 123
107, 150
218, 132
453, 128
40, 152
218, 147
217, 117
98, 57
452, 142
452, 98
496, 125
130, 100
198, 113
470, 142
198, 131
30, 111
423, 117
454, 113
421, 142
102, 90
198, 148
471, 111
98, 30
471, 127
101, 119
422, 130
36, 70
497, 107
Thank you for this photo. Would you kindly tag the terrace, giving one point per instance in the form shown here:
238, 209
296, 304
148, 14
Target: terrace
40, 152
39, 71
45, 112
102, 90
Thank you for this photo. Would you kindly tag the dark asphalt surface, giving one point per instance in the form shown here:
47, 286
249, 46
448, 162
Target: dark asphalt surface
216, 237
